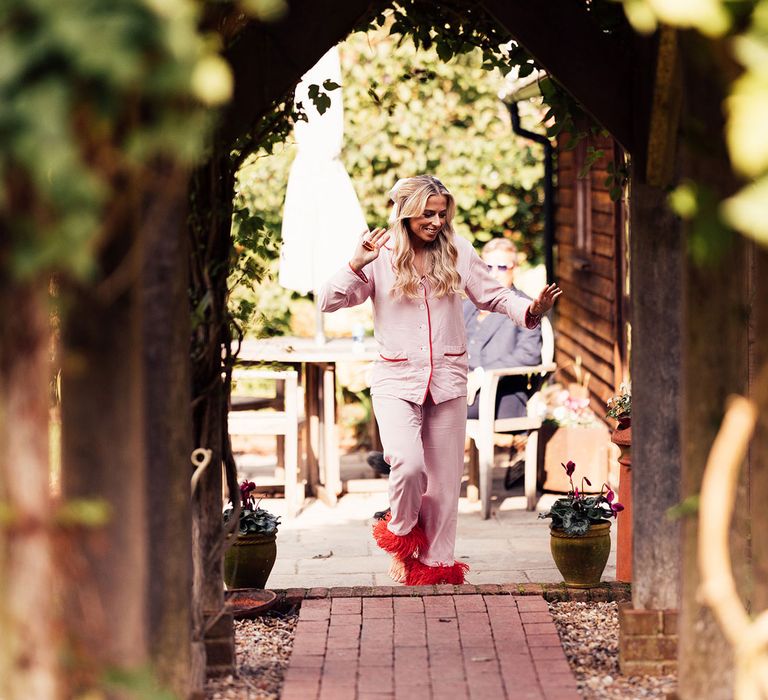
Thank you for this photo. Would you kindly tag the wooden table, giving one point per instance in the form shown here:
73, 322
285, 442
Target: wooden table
318, 362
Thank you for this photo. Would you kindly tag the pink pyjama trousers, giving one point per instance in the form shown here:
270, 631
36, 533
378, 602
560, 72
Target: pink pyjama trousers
424, 446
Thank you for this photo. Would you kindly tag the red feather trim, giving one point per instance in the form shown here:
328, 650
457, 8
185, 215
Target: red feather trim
419, 574
401, 546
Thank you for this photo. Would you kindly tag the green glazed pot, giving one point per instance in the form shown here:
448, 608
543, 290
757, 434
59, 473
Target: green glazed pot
249, 561
581, 559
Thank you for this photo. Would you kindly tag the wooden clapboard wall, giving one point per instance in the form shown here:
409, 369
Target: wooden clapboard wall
592, 268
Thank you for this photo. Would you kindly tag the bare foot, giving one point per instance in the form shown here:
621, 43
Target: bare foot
397, 570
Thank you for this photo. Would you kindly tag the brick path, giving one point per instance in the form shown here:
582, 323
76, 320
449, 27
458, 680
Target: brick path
444, 647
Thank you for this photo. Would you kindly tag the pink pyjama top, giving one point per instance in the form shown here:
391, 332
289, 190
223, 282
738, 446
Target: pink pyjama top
422, 342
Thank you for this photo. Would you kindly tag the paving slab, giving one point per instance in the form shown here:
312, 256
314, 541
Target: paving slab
332, 546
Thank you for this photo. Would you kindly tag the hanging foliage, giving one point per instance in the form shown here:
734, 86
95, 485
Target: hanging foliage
745, 27
90, 93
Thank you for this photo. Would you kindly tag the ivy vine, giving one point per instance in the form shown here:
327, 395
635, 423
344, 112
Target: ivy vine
90, 95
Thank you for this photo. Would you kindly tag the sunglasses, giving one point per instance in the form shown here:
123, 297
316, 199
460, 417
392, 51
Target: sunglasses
500, 268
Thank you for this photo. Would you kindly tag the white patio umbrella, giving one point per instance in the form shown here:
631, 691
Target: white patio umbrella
322, 217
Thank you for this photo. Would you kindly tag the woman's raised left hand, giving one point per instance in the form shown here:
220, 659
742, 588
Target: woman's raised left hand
546, 300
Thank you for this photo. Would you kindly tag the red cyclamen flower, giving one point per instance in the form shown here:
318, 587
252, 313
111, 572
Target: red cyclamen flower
616, 508
245, 491
570, 467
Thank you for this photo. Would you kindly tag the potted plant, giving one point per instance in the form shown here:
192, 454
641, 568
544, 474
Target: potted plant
620, 406
580, 532
620, 409
252, 552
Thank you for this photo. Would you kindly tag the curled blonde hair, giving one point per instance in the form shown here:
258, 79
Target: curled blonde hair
410, 196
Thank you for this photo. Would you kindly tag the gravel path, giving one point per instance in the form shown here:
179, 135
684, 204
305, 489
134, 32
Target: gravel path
262, 648
590, 636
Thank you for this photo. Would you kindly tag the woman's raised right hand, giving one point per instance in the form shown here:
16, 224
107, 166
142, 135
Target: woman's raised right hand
364, 255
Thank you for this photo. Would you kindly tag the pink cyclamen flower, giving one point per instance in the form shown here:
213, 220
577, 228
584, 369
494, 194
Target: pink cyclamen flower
616, 508
570, 467
575, 491
610, 496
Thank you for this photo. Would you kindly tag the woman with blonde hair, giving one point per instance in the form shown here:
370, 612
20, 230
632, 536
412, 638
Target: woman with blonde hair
415, 272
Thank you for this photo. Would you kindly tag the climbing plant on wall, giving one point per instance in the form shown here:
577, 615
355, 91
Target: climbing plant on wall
89, 94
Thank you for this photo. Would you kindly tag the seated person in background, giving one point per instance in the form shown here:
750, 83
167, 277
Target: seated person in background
493, 341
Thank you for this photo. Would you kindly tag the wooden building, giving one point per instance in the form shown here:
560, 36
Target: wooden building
591, 265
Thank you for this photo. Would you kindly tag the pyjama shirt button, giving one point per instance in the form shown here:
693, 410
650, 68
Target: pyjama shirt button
421, 306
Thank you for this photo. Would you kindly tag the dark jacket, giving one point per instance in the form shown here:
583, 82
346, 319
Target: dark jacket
497, 342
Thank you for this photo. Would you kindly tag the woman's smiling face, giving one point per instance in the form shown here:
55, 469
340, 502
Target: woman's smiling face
424, 228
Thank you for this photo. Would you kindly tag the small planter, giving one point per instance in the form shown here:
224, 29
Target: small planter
249, 561
622, 436
246, 603
581, 559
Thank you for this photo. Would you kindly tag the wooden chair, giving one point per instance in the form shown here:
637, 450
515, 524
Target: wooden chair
250, 416
482, 429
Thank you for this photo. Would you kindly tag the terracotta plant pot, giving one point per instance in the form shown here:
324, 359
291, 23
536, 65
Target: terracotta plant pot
249, 561
581, 559
622, 436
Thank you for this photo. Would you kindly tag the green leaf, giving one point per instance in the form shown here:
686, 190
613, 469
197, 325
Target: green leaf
88, 512
526, 69
683, 200
138, 683
688, 507
266, 10
567, 518
444, 51
747, 211
576, 526
374, 95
